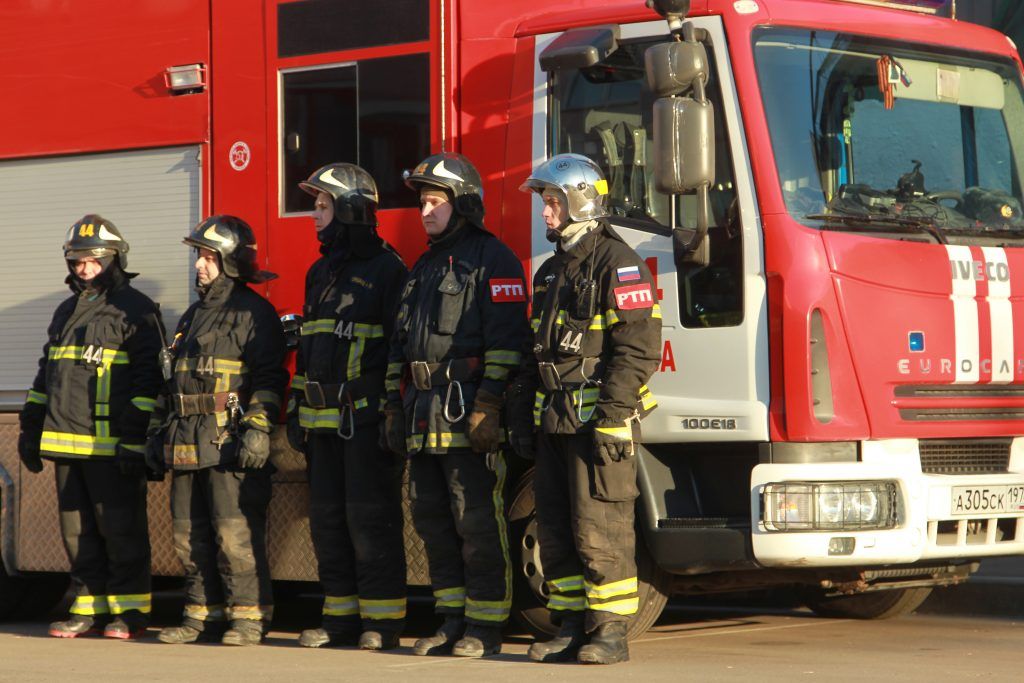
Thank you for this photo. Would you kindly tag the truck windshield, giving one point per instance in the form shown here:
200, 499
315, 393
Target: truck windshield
875, 136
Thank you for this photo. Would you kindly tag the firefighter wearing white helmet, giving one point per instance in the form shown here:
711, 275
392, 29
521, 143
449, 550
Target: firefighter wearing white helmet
597, 342
87, 412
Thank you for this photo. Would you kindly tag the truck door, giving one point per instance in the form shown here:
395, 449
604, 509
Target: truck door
713, 381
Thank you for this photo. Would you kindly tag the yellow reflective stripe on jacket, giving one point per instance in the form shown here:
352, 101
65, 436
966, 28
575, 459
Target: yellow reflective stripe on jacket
90, 605
257, 419
144, 403
355, 357
611, 590
79, 444
497, 372
538, 407
341, 605
318, 418
611, 318
139, 448
488, 610
102, 410
36, 397
393, 377
298, 383
451, 597
504, 357
647, 400
382, 609
656, 311
323, 326
566, 584
329, 325
534, 324
119, 604
110, 356
571, 603
216, 612
621, 433
220, 365
266, 396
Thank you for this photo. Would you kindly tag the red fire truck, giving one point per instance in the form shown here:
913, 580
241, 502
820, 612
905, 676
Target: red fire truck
828, 190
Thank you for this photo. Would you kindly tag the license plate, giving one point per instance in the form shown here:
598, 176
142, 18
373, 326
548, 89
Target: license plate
975, 500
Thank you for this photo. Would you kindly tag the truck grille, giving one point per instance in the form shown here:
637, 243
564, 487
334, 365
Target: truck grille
959, 403
964, 456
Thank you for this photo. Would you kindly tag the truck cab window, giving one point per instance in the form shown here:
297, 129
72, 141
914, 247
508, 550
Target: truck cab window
605, 112
375, 113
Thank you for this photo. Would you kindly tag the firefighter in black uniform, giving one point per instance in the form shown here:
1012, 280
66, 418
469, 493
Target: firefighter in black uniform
335, 410
460, 330
212, 429
597, 342
87, 410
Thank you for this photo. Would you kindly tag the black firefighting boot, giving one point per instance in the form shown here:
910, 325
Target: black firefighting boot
607, 645
378, 639
564, 646
444, 639
76, 625
337, 634
176, 635
126, 627
479, 641
243, 632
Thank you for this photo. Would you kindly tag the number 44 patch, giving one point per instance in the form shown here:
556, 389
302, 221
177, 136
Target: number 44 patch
571, 341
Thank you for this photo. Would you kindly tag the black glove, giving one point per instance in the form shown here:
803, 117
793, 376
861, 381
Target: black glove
154, 458
392, 436
28, 451
296, 434
254, 450
519, 418
130, 463
613, 440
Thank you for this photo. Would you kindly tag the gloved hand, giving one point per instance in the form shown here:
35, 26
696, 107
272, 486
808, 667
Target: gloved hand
392, 430
154, 458
28, 451
254, 449
519, 418
130, 463
484, 424
296, 434
613, 441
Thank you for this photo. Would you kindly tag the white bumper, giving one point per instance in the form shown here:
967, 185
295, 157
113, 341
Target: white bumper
926, 527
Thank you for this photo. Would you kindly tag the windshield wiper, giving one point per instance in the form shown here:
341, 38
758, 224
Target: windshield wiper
879, 223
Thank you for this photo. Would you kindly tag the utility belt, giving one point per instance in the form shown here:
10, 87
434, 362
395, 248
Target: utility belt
425, 375
574, 376
571, 374
451, 374
320, 395
187, 405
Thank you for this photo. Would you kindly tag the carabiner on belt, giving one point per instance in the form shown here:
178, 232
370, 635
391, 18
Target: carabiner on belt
457, 386
346, 407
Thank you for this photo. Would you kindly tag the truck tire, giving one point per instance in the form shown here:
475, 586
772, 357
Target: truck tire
885, 604
26, 597
529, 591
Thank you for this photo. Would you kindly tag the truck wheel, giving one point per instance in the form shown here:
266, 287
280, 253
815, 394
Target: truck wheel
25, 597
884, 604
531, 594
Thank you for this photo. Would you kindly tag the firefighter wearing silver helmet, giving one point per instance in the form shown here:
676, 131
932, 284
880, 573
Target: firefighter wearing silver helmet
460, 327
597, 342
104, 338
355, 512
212, 427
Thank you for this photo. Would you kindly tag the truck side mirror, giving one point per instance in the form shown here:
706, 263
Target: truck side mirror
684, 133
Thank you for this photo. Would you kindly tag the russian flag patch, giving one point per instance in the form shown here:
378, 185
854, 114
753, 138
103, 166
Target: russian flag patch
628, 274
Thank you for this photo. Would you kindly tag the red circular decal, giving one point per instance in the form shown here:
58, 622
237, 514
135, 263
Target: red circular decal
239, 156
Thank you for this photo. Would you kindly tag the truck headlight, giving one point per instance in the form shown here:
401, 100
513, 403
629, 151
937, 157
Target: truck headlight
829, 506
